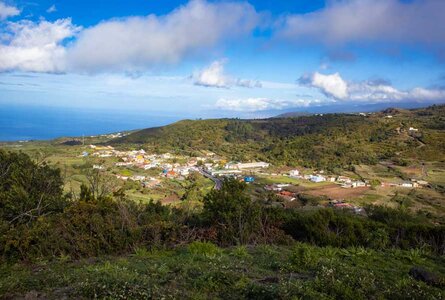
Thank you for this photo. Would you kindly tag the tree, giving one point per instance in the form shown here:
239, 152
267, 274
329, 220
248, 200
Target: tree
28, 190
232, 211
99, 185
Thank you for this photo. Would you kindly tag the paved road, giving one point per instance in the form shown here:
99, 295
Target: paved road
217, 181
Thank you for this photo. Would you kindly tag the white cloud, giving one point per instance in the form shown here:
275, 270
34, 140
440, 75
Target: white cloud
331, 85
7, 11
51, 9
261, 104
335, 87
135, 43
35, 47
129, 44
394, 21
214, 76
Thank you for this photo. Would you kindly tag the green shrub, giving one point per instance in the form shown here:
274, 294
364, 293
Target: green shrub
203, 249
241, 252
304, 256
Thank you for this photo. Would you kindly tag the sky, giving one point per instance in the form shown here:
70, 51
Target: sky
204, 58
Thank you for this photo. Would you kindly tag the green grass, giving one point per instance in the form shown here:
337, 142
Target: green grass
204, 271
139, 197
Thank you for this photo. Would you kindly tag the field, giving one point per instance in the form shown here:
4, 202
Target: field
336, 192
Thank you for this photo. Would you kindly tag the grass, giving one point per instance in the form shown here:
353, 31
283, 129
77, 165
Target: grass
139, 197
205, 271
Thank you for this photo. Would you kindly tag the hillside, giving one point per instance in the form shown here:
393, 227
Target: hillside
205, 271
320, 141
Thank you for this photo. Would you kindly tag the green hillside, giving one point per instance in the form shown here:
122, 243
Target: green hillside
321, 141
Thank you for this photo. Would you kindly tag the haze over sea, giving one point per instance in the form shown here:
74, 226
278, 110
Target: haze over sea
19, 122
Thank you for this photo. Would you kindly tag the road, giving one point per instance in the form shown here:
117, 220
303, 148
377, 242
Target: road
217, 181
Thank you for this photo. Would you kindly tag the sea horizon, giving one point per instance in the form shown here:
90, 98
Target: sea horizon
25, 123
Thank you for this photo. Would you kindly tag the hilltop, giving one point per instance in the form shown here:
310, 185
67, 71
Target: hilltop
319, 141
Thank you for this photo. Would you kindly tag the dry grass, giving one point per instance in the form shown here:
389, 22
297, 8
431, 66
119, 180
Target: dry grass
335, 191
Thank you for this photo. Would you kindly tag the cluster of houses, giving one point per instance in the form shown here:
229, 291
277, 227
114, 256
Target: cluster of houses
141, 159
414, 183
169, 165
235, 169
345, 182
146, 181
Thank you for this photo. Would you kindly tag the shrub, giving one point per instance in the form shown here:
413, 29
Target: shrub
233, 213
205, 249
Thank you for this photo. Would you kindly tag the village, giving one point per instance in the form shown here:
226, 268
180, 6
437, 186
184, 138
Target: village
167, 166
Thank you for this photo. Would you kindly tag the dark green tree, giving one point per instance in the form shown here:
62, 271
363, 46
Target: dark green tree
28, 190
233, 213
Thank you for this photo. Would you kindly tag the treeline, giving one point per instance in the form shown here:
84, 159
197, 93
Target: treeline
38, 220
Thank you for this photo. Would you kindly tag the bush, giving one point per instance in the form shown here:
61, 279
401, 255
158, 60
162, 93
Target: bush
233, 213
205, 249
384, 228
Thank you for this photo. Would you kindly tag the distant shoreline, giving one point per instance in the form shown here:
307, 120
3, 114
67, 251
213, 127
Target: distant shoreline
22, 123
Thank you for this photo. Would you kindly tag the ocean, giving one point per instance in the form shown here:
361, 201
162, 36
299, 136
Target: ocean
18, 123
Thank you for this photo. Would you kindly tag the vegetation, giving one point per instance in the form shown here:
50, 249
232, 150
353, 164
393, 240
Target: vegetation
232, 243
53, 231
206, 271
322, 141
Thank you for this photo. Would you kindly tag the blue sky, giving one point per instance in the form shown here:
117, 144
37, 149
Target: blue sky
221, 58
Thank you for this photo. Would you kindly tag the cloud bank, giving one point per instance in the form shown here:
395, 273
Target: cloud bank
342, 22
261, 104
122, 45
136, 43
36, 47
335, 87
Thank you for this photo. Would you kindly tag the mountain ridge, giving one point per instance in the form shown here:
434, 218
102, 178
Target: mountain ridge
319, 141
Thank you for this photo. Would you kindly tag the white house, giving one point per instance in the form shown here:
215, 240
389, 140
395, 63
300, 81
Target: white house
317, 178
294, 173
407, 184
358, 184
252, 165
